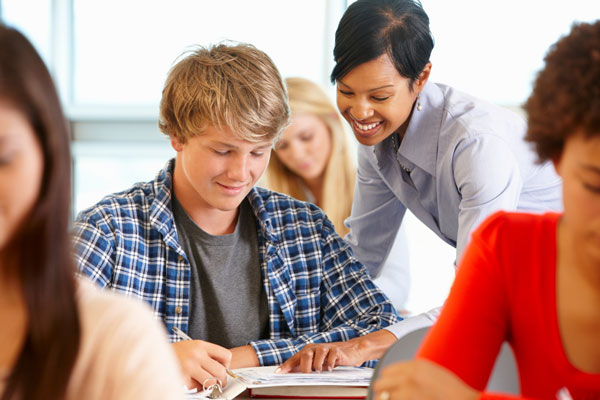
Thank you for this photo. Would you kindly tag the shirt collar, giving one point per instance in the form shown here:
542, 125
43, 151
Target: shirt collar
161, 213
260, 207
420, 143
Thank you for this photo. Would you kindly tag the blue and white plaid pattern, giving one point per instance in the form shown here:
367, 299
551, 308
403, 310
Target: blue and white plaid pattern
317, 291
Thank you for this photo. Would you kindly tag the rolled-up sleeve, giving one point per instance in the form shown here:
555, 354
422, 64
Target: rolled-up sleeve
93, 249
351, 304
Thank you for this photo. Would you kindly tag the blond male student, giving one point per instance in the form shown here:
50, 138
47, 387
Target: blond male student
252, 274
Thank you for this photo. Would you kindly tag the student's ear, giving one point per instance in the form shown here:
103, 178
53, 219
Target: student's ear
423, 78
176, 144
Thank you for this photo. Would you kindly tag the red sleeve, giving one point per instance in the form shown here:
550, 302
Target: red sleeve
473, 324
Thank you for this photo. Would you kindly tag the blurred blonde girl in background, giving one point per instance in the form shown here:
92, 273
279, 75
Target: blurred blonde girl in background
312, 161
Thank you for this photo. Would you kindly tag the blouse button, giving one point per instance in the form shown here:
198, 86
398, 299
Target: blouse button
178, 310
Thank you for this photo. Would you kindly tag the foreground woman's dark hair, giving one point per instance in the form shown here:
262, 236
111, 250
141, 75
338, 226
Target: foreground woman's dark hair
38, 256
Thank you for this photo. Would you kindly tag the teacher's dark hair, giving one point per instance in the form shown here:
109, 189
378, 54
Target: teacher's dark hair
38, 256
370, 28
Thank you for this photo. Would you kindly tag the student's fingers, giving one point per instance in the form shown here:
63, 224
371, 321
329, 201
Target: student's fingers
423, 379
391, 375
203, 378
393, 369
388, 387
213, 368
190, 382
218, 353
186, 363
196, 363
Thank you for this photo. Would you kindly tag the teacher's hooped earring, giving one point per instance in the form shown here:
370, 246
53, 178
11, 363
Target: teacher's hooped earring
419, 108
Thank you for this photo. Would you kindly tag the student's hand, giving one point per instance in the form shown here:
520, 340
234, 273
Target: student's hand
326, 356
421, 379
200, 360
243, 357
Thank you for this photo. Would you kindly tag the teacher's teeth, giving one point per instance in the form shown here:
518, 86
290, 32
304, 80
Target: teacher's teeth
367, 127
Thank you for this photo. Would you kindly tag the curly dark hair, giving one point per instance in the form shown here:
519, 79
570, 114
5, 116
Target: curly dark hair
566, 94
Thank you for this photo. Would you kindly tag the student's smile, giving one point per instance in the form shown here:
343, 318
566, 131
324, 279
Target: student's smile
232, 190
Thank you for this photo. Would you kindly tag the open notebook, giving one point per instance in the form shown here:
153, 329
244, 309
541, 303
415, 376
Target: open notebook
342, 382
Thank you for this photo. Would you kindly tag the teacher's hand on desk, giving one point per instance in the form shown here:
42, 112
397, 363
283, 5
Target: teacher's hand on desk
421, 379
326, 356
200, 360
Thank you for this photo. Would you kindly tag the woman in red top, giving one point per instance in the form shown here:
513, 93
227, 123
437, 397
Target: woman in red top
531, 280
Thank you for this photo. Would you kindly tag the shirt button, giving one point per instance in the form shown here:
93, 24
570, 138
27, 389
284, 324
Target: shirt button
178, 310
180, 258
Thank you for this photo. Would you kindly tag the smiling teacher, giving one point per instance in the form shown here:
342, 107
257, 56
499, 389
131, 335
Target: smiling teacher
449, 158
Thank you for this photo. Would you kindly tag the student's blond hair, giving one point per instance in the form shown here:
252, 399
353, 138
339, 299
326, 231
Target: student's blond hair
227, 85
306, 97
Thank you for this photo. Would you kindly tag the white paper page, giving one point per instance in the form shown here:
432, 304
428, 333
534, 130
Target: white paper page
340, 376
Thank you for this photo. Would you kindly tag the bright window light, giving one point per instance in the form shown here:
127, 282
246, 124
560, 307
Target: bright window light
34, 25
122, 55
493, 49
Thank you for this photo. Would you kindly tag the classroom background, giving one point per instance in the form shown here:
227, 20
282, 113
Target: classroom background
109, 59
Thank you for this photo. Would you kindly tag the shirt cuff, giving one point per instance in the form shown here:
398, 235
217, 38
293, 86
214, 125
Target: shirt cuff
407, 325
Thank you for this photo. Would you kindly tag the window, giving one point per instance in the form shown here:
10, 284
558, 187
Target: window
493, 49
111, 58
121, 58
36, 25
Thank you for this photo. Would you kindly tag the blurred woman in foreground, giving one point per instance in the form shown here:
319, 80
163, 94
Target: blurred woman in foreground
59, 338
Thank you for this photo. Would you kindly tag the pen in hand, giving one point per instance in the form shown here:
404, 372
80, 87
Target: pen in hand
183, 336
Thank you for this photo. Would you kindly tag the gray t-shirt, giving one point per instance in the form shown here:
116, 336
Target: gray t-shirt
228, 303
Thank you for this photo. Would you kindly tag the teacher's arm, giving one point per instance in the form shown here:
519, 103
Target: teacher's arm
376, 215
487, 175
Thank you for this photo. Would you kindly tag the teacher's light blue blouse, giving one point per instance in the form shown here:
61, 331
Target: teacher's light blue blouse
460, 160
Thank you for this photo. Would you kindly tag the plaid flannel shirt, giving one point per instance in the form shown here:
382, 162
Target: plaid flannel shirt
316, 290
